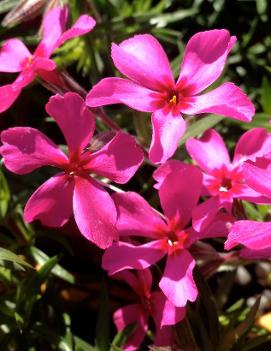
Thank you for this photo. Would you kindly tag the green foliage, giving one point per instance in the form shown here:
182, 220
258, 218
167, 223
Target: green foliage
4, 196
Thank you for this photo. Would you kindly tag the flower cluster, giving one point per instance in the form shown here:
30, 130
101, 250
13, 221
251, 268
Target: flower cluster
198, 200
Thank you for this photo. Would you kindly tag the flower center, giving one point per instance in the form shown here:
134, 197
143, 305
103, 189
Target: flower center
226, 184
74, 169
173, 100
176, 241
172, 239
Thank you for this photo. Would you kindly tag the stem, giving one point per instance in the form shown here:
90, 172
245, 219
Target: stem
95, 11
107, 120
184, 335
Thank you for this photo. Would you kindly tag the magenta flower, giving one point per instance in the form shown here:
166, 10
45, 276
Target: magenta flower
255, 236
150, 304
15, 57
151, 86
73, 190
223, 180
170, 236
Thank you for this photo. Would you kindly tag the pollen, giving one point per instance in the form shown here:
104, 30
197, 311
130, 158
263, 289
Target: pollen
173, 100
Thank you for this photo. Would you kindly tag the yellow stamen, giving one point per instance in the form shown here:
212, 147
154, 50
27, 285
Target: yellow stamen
173, 100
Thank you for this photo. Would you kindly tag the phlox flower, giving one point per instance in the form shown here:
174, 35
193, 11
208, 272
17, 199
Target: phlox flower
254, 236
167, 236
150, 86
151, 304
224, 180
73, 190
15, 57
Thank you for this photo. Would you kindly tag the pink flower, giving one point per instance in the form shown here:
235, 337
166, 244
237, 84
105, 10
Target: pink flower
150, 304
223, 180
255, 236
15, 57
151, 86
170, 236
73, 190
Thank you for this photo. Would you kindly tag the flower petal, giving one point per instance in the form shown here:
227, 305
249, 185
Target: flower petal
164, 336
256, 142
74, 119
128, 315
167, 129
248, 194
259, 179
118, 160
83, 25
130, 278
165, 169
25, 149
136, 217
204, 58
251, 234
13, 56
219, 227
205, 213
124, 255
250, 254
24, 78
136, 280
8, 95
177, 198
51, 203
209, 151
94, 212
43, 64
142, 59
110, 91
226, 100
178, 284
164, 312
53, 26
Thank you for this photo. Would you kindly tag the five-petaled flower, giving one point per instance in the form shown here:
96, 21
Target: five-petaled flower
150, 303
255, 236
73, 190
151, 86
223, 180
170, 236
15, 57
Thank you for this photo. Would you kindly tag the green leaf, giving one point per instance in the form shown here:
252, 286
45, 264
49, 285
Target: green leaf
266, 96
261, 6
122, 336
66, 341
7, 5
102, 339
28, 291
252, 212
260, 120
41, 258
4, 196
166, 18
185, 335
234, 337
200, 126
207, 308
7, 255
81, 345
